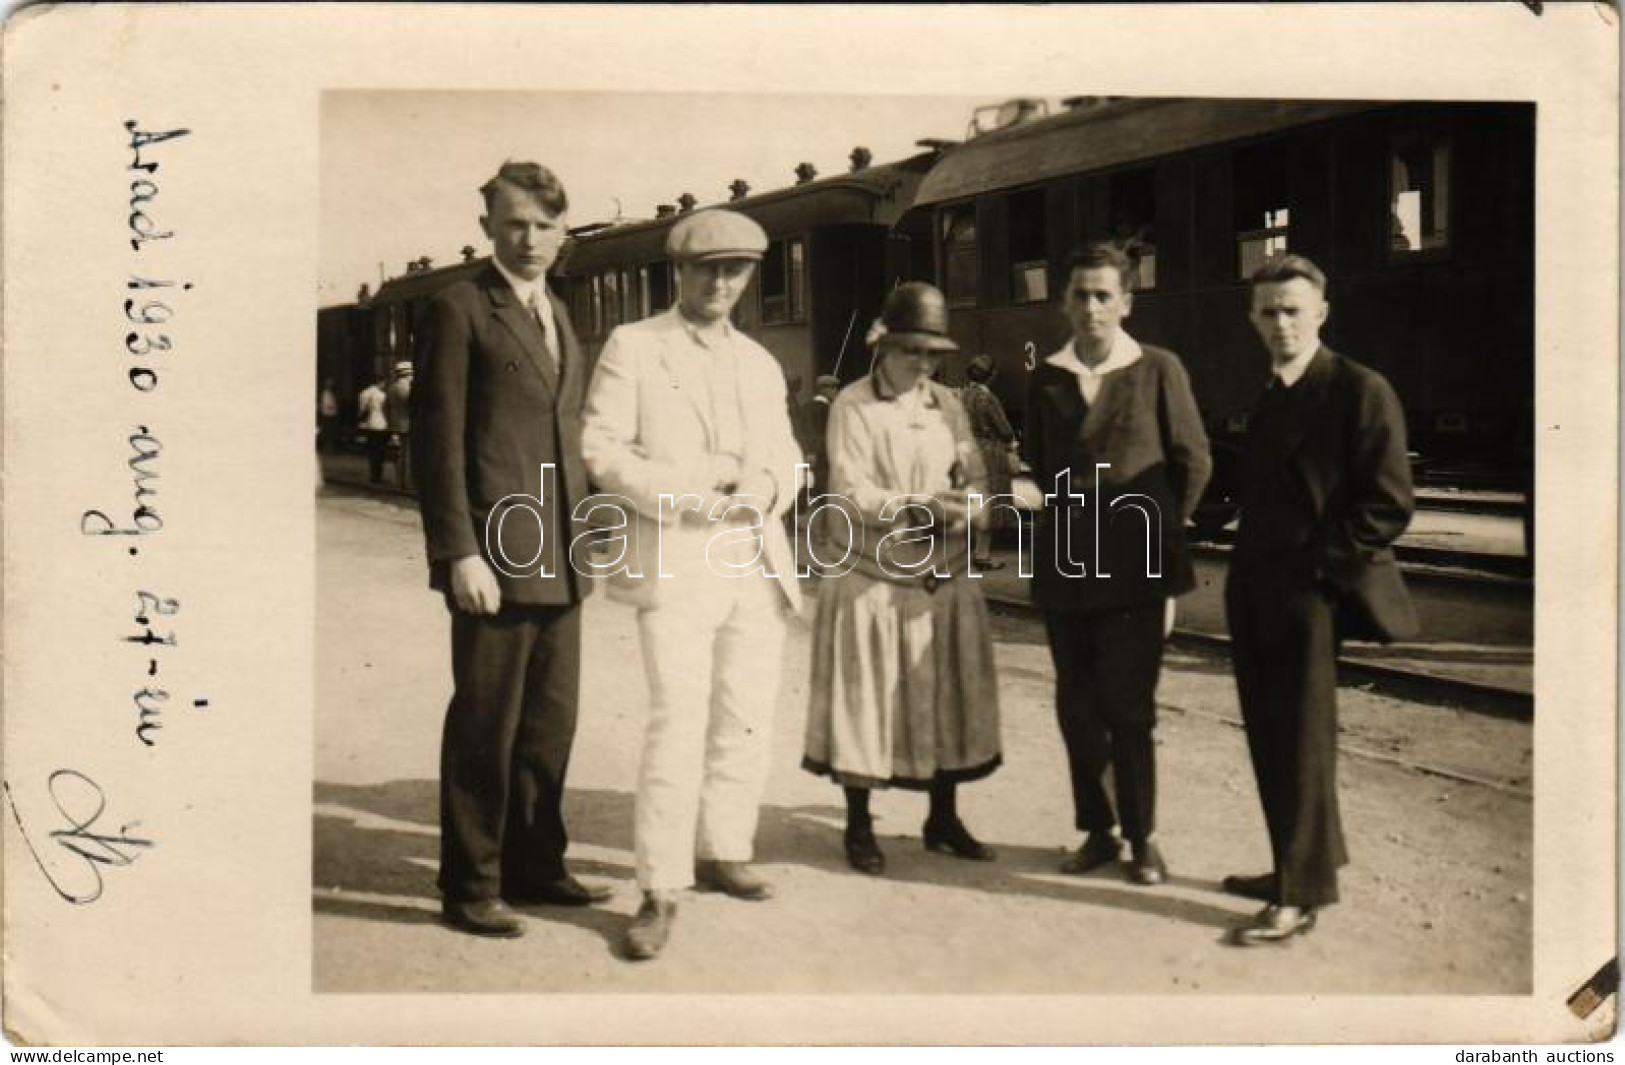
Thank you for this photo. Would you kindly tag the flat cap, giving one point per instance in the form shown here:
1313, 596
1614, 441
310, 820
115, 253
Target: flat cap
715, 234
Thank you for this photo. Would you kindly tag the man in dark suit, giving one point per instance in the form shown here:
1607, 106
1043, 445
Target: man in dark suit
1116, 442
1327, 489
498, 397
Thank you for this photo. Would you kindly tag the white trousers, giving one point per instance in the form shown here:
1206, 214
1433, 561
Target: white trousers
711, 652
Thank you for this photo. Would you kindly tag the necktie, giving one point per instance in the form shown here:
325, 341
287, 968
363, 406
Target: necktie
545, 323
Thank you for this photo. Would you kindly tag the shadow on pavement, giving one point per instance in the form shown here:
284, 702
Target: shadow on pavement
811, 836
351, 857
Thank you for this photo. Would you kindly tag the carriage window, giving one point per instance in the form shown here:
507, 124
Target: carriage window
631, 295
1262, 197
597, 319
782, 275
1029, 257
1418, 193
1134, 222
612, 299
797, 264
959, 254
659, 288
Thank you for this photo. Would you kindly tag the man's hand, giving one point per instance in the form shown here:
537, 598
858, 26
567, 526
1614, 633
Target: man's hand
474, 587
721, 473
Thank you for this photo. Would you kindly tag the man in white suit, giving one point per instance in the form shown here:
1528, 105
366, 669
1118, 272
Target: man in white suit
685, 420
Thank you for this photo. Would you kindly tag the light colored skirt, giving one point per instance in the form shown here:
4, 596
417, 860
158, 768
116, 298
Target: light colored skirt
903, 688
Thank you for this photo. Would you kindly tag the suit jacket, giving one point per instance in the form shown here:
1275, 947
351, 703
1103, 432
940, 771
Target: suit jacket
489, 409
648, 430
1329, 491
1144, 422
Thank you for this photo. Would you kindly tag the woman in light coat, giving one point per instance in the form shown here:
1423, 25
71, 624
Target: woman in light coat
903, 688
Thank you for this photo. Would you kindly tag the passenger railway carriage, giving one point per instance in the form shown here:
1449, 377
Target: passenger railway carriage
833, 253
1422, 215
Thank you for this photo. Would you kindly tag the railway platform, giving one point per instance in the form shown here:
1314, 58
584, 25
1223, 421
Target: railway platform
1436, 804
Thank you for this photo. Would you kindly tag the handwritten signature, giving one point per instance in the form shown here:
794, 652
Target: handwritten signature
81, 802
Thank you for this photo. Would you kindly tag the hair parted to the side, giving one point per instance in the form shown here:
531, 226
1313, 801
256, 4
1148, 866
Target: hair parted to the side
533, 179
1102, 255
1279, 268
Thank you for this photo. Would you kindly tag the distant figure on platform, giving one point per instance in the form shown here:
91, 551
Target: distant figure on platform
498, 396
327, 418
1327, 490
685, 422
903, 688
374, 424
1117, 446
398, 409
997, 442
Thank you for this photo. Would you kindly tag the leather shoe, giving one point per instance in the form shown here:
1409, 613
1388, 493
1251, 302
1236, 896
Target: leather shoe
1274, 924
954, 838
1260, 887
1147, 866
565, 891
482, 917
1100, 848
863, 853
647, 935
737, 879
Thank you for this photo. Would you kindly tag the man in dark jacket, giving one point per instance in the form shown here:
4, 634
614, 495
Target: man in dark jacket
1327, 489
498, 398
1116, 443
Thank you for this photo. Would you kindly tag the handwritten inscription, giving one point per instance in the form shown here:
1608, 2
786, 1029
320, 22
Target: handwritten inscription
149, 700
83, 844
144, 517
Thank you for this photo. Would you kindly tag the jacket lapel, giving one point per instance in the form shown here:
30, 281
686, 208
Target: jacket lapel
517, 320
686, 382
1305, 413
1116, 393
571, 372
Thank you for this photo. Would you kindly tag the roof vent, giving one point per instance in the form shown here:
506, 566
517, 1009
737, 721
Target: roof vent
861, 158
739, 189
665, 210
686, 202
1011, 113
805, 172
468, 253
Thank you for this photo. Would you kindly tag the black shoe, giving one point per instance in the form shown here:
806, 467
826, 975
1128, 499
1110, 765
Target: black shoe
1273, 924
565, 891
1260, 887
954, 838
863, 853
482, 917
987, 563
1147, 866
650, 929
1100, 848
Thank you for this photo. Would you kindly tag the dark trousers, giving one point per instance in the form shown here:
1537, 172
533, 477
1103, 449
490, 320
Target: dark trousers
1106, 667
505, 748
1284, 647
377, 450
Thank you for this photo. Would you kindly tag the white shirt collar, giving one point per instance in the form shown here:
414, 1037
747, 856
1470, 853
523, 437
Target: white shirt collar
1125, 352
703, 336
1291, 372
527, 291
